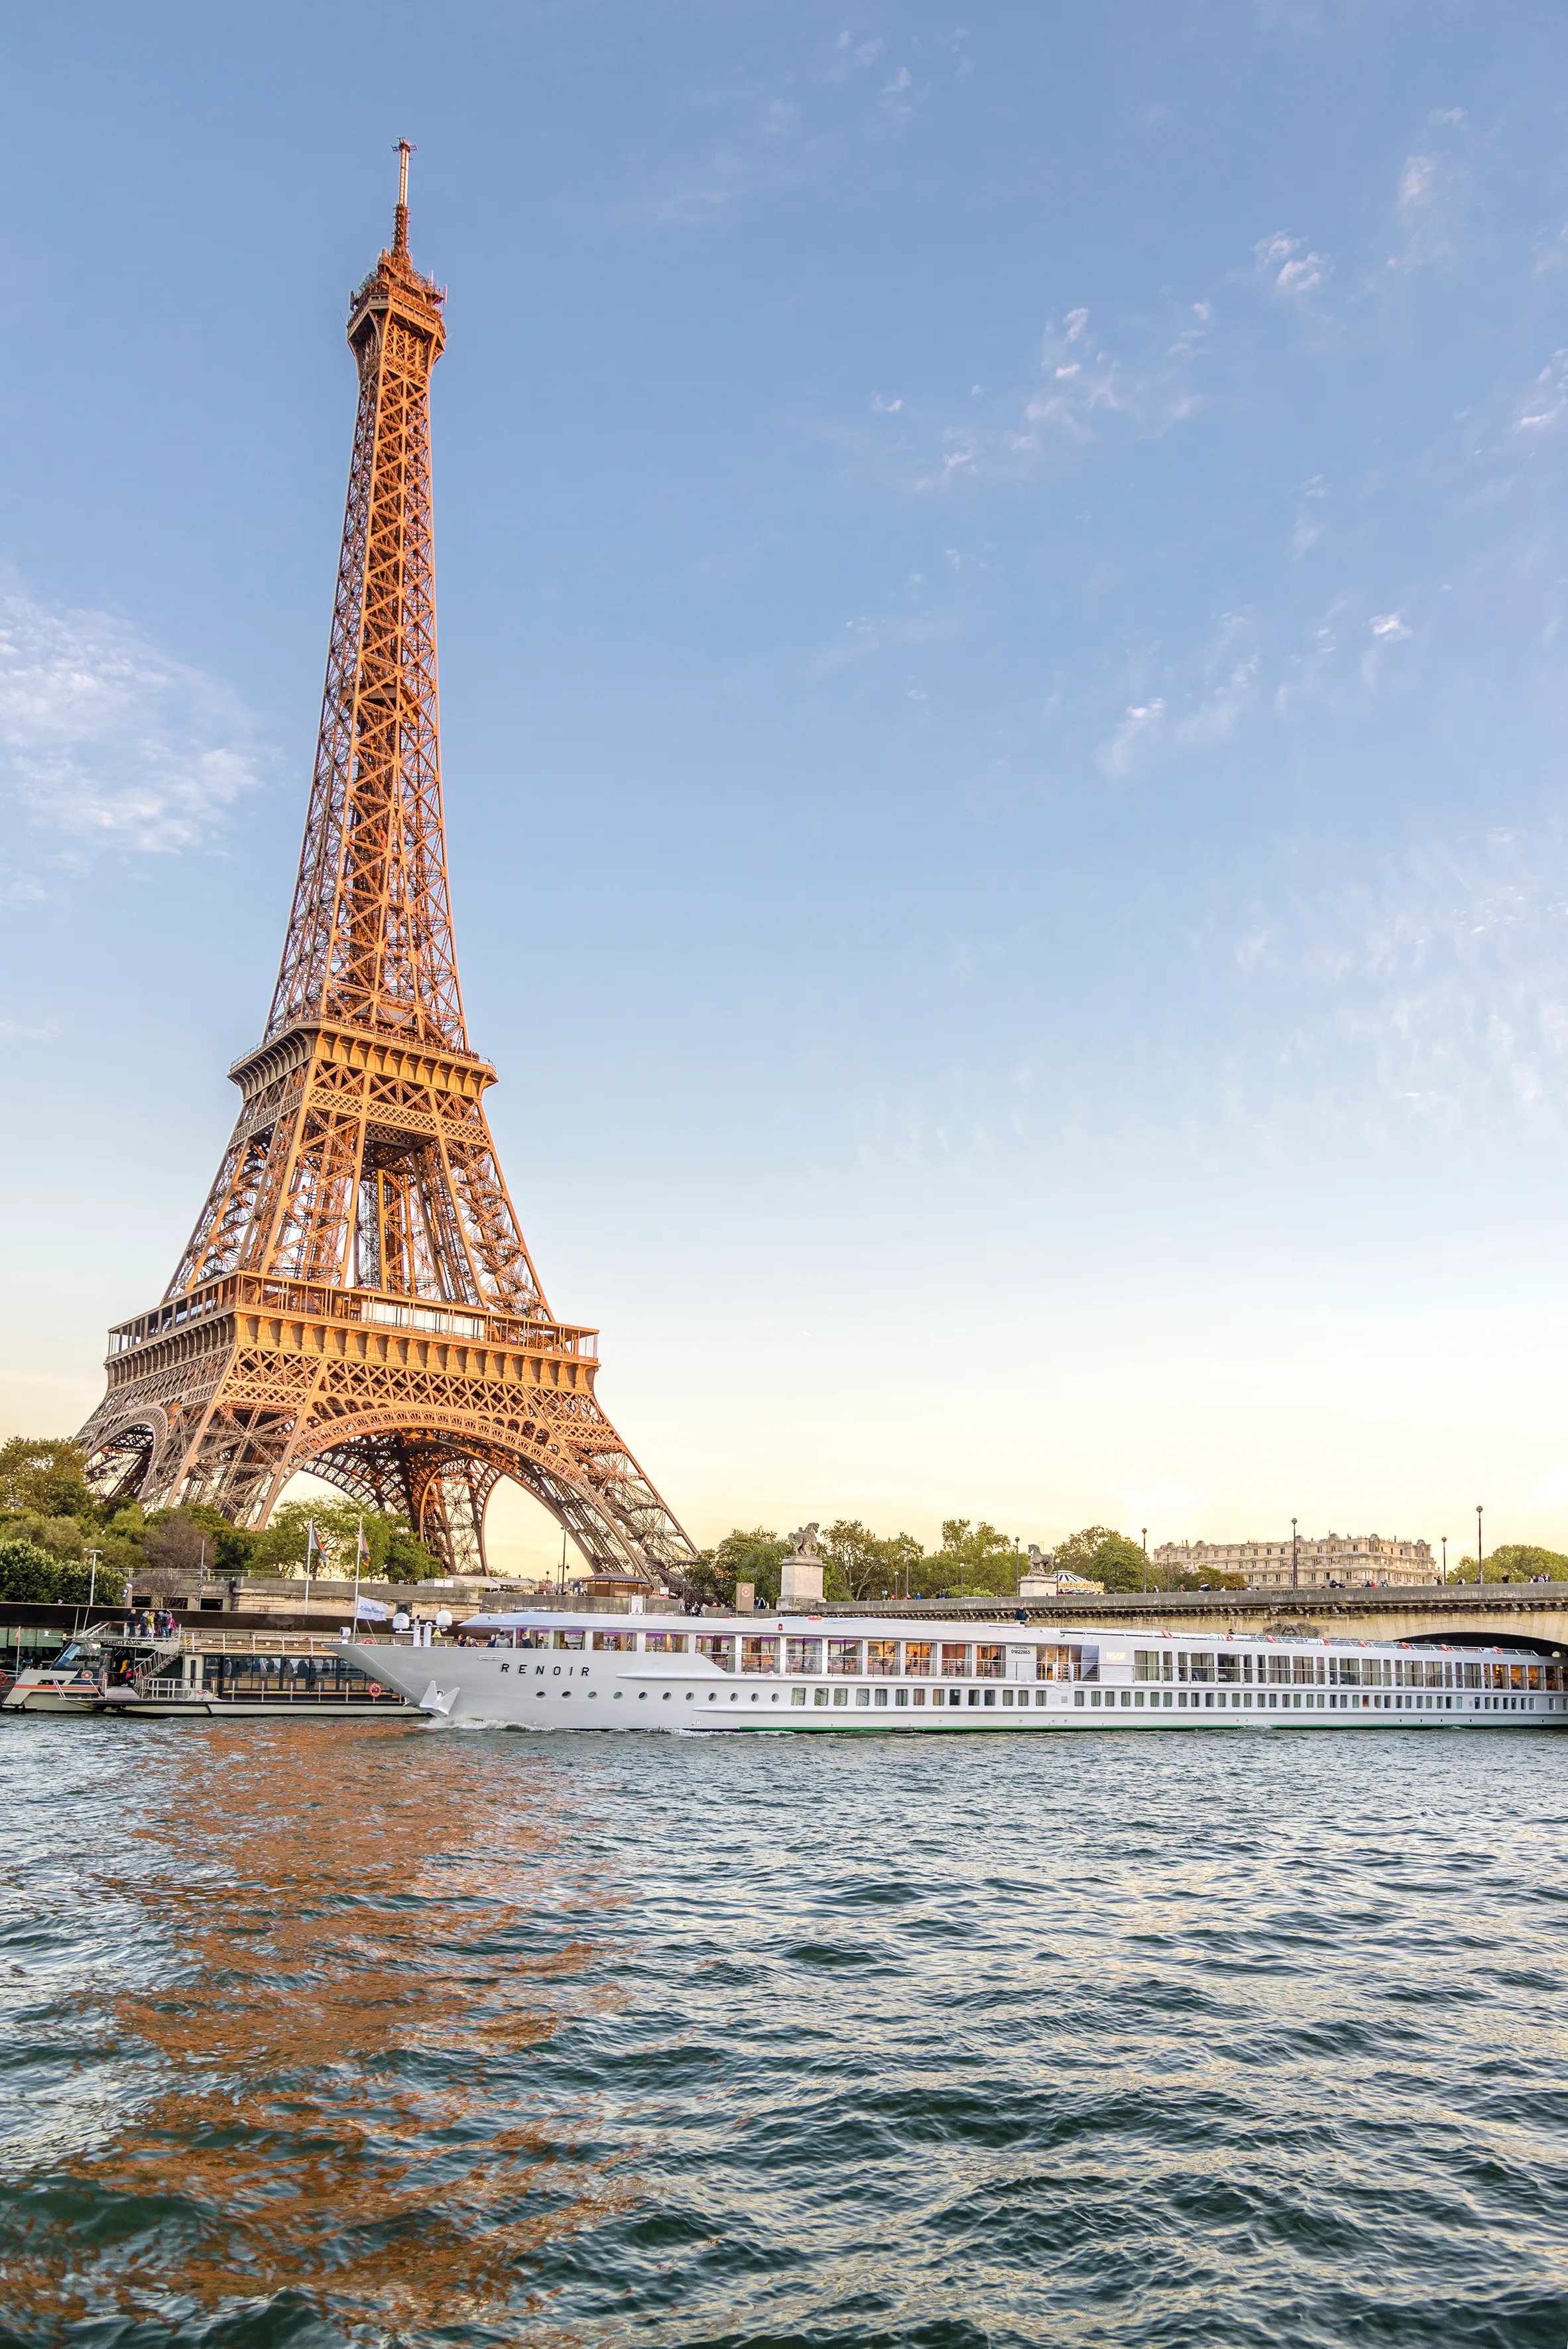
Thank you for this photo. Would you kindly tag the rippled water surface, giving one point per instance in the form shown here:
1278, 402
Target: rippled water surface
361, 2033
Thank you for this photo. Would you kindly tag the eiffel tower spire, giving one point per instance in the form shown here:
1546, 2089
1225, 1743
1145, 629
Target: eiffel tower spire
357, 1296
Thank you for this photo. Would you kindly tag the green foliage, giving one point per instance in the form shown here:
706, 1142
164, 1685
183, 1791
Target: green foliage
393, 1551
753, 1556
407, 1559
61, 1536
34, 1575
45, 1476
1120, 1564
77, 1579
974, 1561
1515, 1562
230, 1548
862, 1565
27, 1572
711, 1584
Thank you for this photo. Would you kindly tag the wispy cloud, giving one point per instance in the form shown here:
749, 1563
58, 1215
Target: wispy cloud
106, 743
1288, 267
861, 85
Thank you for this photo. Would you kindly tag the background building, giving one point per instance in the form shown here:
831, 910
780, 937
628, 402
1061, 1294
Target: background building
1322, 1559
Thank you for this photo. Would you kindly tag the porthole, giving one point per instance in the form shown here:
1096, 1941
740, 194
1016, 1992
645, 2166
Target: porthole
666, 1696
642, 1696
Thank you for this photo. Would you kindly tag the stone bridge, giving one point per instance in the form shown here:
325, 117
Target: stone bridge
1494, 1614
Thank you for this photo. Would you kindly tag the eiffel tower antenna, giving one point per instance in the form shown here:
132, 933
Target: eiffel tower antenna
358, 1298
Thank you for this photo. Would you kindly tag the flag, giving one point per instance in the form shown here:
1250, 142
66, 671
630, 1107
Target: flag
371, 1610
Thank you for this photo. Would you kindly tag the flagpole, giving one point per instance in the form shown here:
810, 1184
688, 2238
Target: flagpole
358, 1553
310, 1540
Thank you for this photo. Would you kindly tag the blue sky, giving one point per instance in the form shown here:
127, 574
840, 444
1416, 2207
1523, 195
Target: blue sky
1002, 595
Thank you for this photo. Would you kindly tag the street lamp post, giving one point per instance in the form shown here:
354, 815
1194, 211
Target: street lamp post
1445, 1558
1146, 1558
1479, 1554
1294, 1559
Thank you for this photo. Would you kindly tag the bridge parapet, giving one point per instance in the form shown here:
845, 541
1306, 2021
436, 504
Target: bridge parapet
1525, 1614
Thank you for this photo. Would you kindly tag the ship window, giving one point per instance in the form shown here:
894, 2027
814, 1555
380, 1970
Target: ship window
953, 1660
609, 1642
1146, 1663
987, 1663
718, 1650
881, 1657
803, 1655
1230, 1664
881, 1695
819, 1696
901, 1696
862, 1696
797, 1695
757, 1655
917, 1659
1202, 1668
920, 1696
844, 1656
841, 1696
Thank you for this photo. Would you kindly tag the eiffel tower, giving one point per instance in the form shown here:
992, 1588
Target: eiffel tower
358, 1298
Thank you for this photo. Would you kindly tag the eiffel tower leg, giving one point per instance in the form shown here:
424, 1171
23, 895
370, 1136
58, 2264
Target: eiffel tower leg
452, 1515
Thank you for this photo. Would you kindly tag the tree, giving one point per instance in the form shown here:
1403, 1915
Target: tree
974, 1560
78, 1580
175, 1543
1102, 1554
393, 1551
45, 1475
28, 1573
229, 1547
407, 1559
755, 1558
1515, 1562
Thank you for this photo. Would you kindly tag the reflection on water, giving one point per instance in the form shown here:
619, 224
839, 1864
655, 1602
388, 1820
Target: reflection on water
357, 2032
345, 1966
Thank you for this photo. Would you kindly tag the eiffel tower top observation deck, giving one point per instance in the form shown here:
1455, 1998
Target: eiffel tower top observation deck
357, 1296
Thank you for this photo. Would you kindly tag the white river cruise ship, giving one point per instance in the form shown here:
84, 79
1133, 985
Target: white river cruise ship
832, 1674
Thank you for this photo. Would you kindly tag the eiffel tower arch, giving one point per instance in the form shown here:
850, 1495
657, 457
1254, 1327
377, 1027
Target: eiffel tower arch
357, 1298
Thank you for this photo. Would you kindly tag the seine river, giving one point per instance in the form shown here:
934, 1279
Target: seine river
375, 2034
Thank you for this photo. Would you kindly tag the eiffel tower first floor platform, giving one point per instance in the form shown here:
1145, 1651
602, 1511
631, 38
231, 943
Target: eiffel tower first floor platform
223, 1393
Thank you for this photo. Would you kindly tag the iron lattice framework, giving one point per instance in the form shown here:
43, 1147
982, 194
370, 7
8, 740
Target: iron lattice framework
357, 1296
